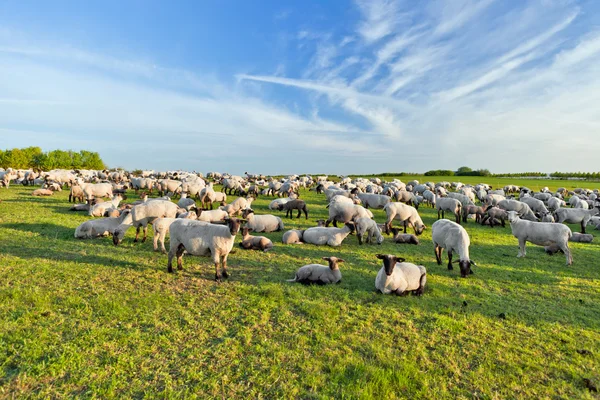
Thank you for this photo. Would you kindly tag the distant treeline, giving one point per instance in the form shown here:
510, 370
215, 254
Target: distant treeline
586, 175
35, 158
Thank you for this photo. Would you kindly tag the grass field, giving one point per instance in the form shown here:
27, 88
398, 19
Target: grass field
87, 319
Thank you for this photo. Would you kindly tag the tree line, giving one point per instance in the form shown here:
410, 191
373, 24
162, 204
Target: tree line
33, 157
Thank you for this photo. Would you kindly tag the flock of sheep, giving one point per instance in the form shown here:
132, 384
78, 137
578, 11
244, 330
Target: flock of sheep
211, 229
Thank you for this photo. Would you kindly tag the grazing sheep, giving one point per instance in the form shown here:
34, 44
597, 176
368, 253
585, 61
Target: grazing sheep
101, 227
255, 242
262, 223
344, 213
406, 197
212, 215
547, 218
144, 214
100, 209
521, 208
575, 216
42, 192
201, 239
555, 203
368, 226
454, 206
292, 205
274, 205
429, 197
537, 206
493, 214
319, 274
406, 215
327, 236
399, 277
96, 190
371, 200
452, 237
404, 238
236, 206
540, 233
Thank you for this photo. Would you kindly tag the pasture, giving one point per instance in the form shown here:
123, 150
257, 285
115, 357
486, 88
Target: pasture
88, 319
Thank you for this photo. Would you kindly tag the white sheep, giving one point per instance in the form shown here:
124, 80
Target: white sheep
101, 227
262, 223
250, 242
540, 233
212, 215
575, 216
372, 200
448, 204
319, 274
327, 236
185, 202
198, 238
144, 214
100, 209
406, 215
452, 237
293, 236
400, 277
344, 212
369, 227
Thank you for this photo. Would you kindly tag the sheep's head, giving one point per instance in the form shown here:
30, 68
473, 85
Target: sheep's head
351, 226
465, 267
513, 216
419, 228
246, 212
118, 236
320, 222
389, 262
234, 225
333, 262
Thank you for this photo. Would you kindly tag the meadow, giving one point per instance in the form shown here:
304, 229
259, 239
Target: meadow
87, 319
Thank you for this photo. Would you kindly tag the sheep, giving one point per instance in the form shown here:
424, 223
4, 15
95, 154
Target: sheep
96, 190
212, 215
464, 200
555, 203
169, 185
186, 202
372, 200
144, 214
80, 207
42, 192
404, 214
101, 227
208, 196
343, 212
343, 199
429, 198
454, 206
521, 208
201, 239
274, 205
293, 236
399, 277
493, 199
319, 274
581, 237
368, 226
255, 242
329, 236
100, 209
451, 236
493, 214
409, 198
76, 194
404, 238
236, 206
540, 233
292, 205
161, 227
262, 223
477, 210
537, 206
575, 216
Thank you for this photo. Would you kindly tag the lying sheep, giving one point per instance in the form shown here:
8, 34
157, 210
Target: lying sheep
319, 274
399, 277
212, 215
100, 209
274, 205
406, 215
262, 223
101, 227
327, 236
452, 237
540, 233
293, 236
236, 206
255, 242
369, 227
198, 238
404, 238
582, 237
42, 192
292, 205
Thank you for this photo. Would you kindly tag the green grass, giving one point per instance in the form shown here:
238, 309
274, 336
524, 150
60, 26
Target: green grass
87, 319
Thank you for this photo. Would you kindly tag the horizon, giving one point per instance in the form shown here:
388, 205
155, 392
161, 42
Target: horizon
271, 86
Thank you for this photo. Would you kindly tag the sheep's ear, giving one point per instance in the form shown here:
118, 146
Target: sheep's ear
340, 260
400, 259
473, 263
380, 256
325, 258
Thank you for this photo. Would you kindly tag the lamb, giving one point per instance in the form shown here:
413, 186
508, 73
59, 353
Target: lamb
329, 236
452, 237
399, 277
582, 237
521, 208
101, 227
368, 226
404, 214
477, 210
236, 206
493, 214
161, 227
42, 192
575, 216
262, 223
344, 213
144, 214
404, 238
292, 205
319, 274
454, 206
201, 239
255, 242
212, 215
274, 205
540, 233
100, 209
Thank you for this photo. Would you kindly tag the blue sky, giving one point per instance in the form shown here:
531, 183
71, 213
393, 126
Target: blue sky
287, 86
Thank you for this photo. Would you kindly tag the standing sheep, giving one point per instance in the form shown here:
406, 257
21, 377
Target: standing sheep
406, 215
292, 205
452, 237
368, 226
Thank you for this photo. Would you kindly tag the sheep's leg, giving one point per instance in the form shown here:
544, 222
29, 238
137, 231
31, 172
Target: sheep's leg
299, 213
137, 234
155, 241
443, 214
224, 266
180, 250
438, 254
565, 249
450, 260
335, 222
306, 212
162, 242
439, 213
145, 233
328, 222
583, 226
404, 226
522, 251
